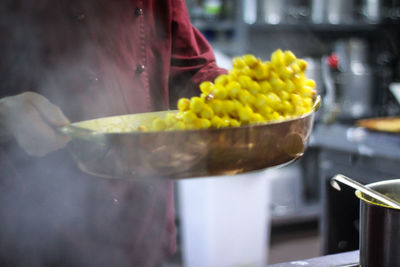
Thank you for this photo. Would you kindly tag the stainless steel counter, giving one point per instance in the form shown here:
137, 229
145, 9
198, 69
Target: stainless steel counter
357, 140
348, 259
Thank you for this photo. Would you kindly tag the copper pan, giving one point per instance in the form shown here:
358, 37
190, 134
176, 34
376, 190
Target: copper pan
189, 153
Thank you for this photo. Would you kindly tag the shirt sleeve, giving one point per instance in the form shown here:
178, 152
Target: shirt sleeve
192, 59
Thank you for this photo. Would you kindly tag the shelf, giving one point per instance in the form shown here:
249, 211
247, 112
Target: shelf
304, 213
323, 30
216, 25
226, 25
350, 28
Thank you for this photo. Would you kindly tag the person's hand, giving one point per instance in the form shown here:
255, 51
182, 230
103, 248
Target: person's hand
30, 118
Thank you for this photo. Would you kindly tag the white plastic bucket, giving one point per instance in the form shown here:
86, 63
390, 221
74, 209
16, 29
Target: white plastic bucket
225, 221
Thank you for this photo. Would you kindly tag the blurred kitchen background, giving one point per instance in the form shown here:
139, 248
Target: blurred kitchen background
353, 52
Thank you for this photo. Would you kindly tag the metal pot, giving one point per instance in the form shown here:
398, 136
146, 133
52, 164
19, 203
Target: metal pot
372, 10
332, 11
349, 90
273, 11
380, 227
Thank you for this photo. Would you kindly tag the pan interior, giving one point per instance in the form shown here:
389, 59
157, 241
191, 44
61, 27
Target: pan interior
124, 123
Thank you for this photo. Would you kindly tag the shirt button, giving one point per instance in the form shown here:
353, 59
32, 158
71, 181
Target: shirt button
138, 12
139, 68
93, 80
79, 16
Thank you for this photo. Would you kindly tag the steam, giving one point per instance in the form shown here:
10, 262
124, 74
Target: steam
51, 213
56, 215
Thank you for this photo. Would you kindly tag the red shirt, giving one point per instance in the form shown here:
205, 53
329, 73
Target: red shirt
92, 58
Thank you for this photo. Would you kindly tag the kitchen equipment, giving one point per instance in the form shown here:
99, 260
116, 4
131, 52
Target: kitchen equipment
340, 11
349, 87
250, 12
395, 90
191, 153
273, 11
384, 124
380, 227
332, 11
211, 210
372, 10
212, 8
371, 193
355, 80
297, 11
318, 11
314, 72
379, 221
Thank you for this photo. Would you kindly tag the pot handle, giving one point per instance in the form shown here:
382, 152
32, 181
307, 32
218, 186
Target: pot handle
366, 190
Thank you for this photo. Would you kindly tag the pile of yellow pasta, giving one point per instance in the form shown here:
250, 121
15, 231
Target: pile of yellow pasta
253, 92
